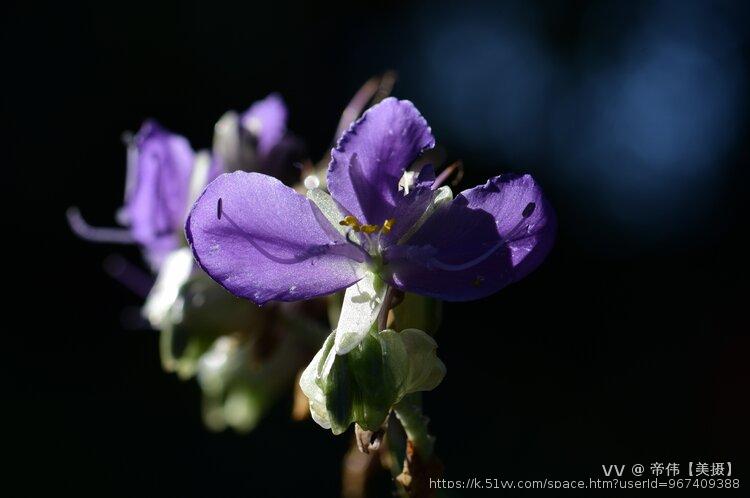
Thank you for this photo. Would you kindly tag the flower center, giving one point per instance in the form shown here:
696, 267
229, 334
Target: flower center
369, 234
353, 222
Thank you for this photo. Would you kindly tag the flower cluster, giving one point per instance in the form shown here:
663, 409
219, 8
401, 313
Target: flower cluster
373, 236
233, 347
383, 226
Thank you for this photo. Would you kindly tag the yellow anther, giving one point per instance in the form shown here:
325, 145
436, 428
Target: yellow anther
368, 229
351, 221
388, 224
478, 281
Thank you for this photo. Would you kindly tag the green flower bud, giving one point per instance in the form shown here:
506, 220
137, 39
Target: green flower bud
239, 386
243, 407
240, 408
363, 385
201, 313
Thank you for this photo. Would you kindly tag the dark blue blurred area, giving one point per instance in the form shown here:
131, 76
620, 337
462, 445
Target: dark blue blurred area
628, 345
637, 115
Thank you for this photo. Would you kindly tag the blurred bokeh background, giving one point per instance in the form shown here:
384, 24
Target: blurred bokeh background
629, 345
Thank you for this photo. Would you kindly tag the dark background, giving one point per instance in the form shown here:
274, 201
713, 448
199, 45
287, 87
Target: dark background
629, 345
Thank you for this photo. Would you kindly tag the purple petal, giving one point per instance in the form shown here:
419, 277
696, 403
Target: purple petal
263, 241
486, 238
266, 121
157, 199
370, 158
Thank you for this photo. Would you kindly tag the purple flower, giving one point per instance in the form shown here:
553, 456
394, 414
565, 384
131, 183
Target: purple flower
266, 121
160, 166
258, 139
164, 176
264, 241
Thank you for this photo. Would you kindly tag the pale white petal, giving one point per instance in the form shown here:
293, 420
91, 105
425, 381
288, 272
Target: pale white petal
328, 207
309, 385
198, 177
226, 144
174, 272
362, 303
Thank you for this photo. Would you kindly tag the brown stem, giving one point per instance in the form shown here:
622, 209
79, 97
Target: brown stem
374, 90
358, 468
393, 298
457, 167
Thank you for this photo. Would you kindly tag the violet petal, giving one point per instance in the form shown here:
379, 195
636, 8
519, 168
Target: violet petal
486, 238
263, 241
370, 158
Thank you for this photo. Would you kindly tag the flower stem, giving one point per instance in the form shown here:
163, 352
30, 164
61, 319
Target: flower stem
382, 321
396, 447
409, 413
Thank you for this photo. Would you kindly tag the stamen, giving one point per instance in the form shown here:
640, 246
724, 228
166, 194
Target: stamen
478, 281
351, 221
388, 225
368, 229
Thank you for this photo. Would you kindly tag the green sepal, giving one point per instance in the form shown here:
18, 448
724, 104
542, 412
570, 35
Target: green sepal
339, 394
376, 365
425, 370
363, 385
